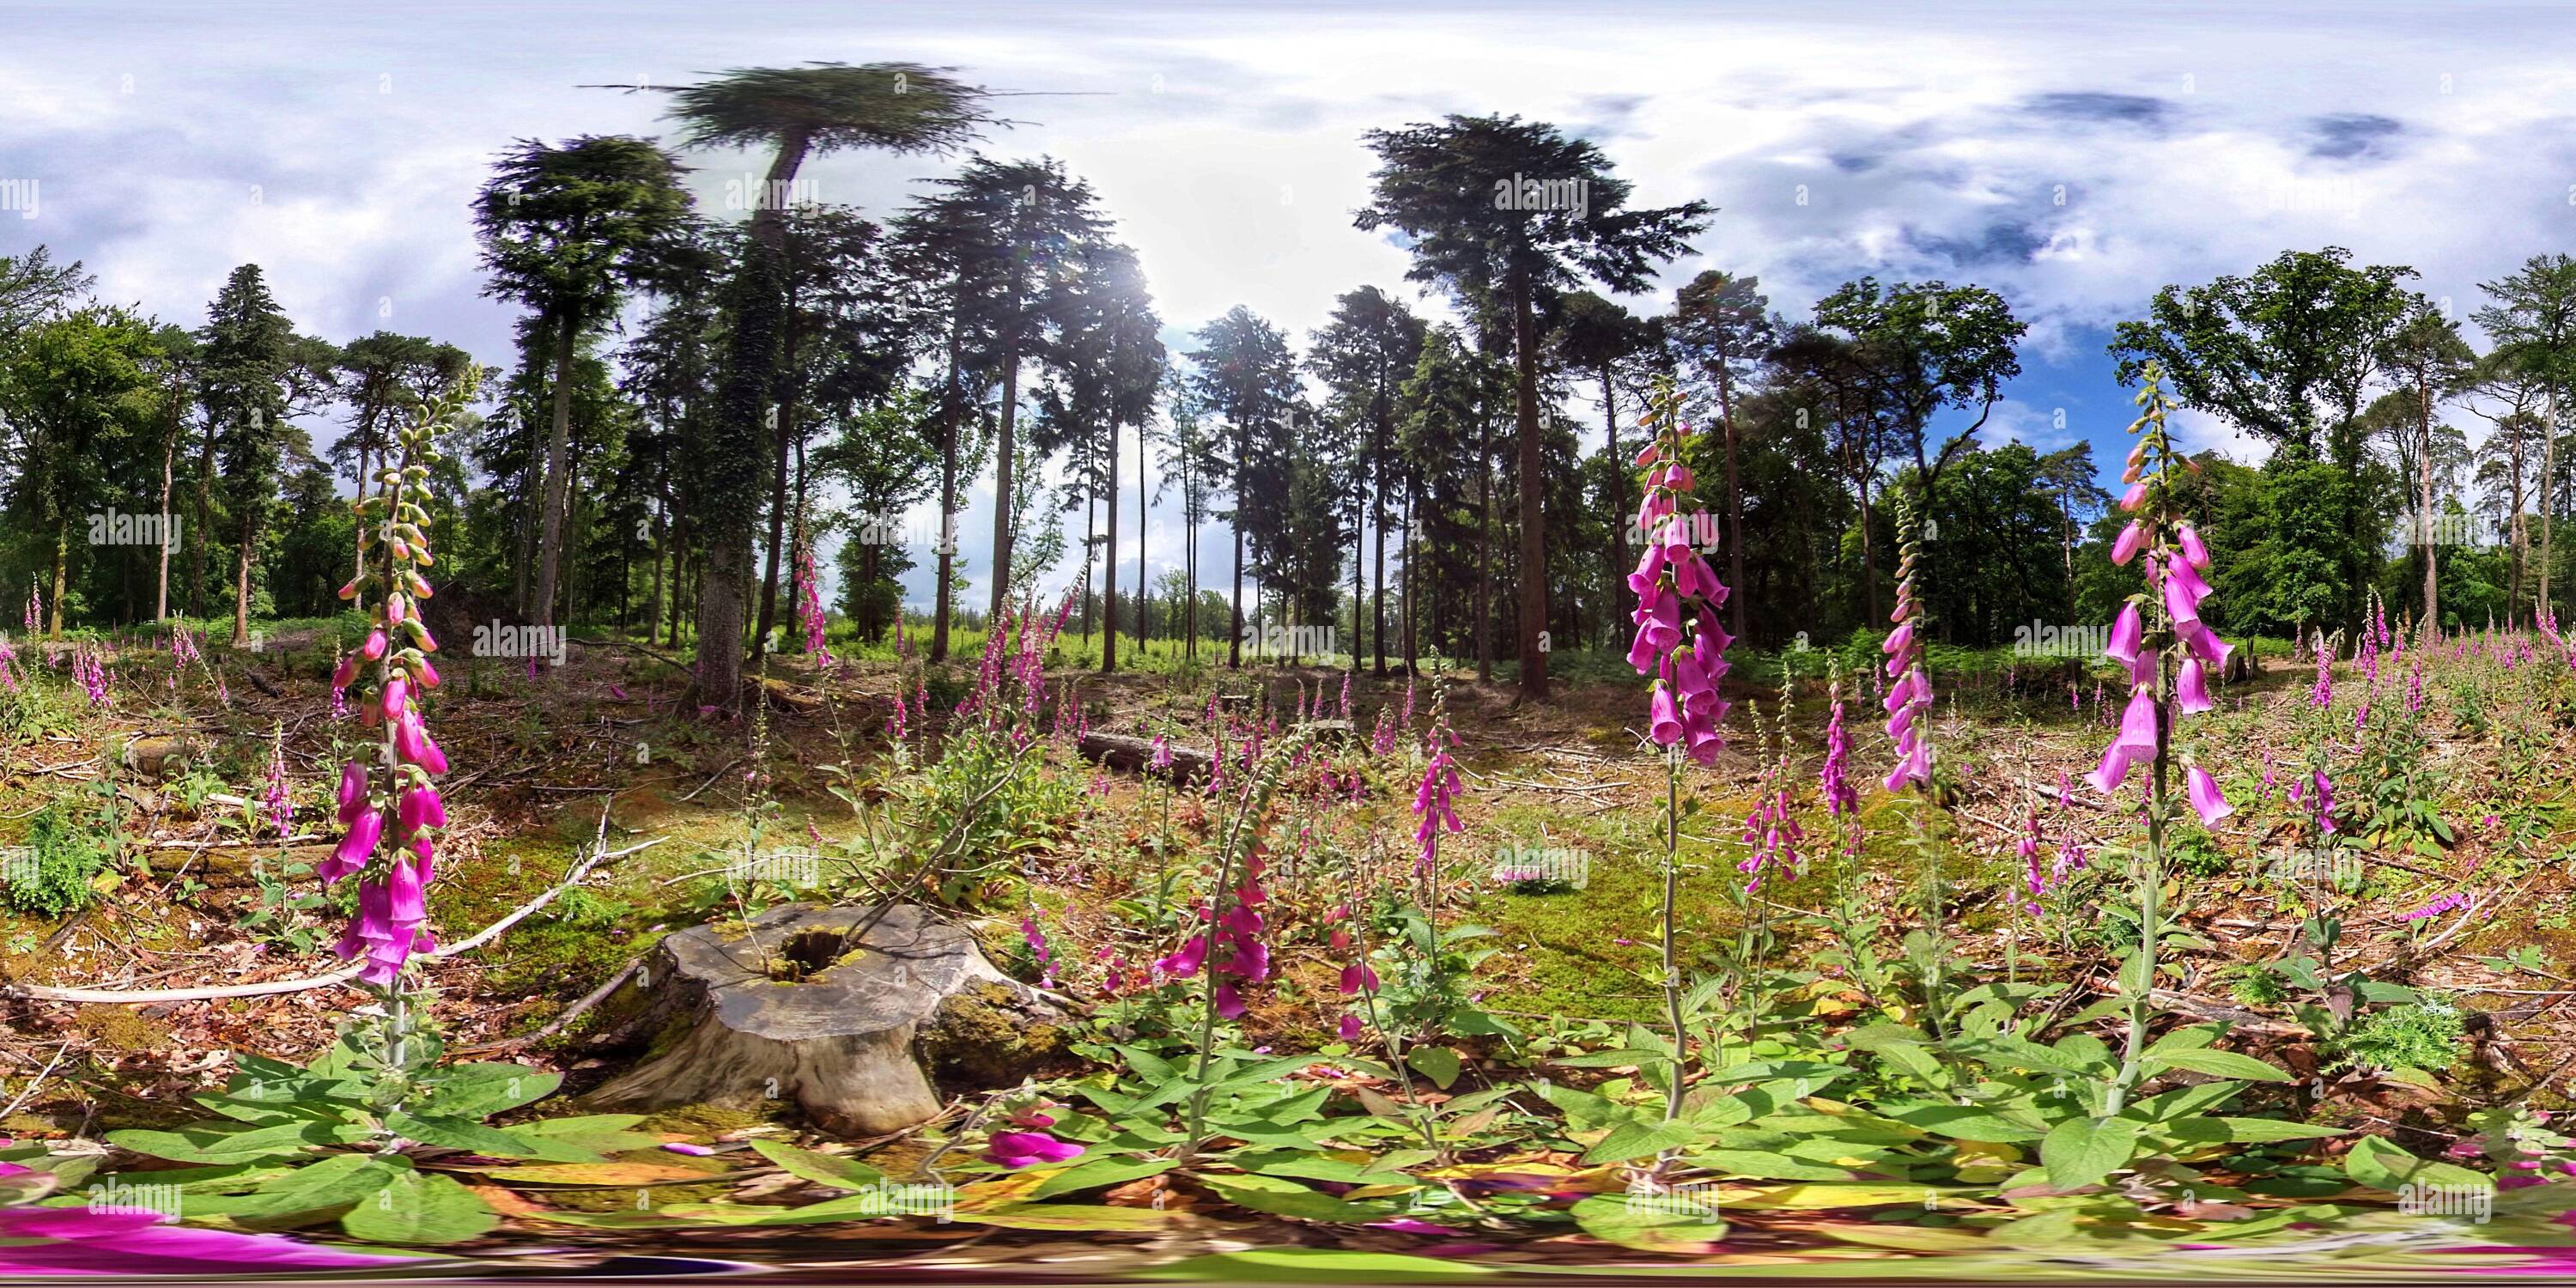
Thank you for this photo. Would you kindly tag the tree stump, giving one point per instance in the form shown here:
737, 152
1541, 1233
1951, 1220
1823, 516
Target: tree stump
1136, 755
864, 1040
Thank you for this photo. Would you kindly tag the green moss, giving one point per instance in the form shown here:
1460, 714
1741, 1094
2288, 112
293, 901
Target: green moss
701, 1120
984, 1037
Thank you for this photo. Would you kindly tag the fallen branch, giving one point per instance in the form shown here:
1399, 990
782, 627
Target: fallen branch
43, 993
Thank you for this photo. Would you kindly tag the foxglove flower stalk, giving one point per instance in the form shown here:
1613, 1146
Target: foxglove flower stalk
1834, 781
278, 802
2173, 556
1909, 701
392, 808
809, 606
1678, 637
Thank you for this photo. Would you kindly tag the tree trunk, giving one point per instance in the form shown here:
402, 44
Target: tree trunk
1868, 559
1007, 445
661, 547
197, 534
732, 482
1140, 542
62, 560
558, 481
169, 452
1533, 605
241, 583
1378, 512
1484, 545
1234, 646
2548, 462
1406, 605
947, 500
2424, 466
1734, 503
1109, 566
1618, 488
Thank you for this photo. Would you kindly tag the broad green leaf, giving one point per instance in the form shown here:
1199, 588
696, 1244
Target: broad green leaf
2080, 1152
1287, 1198
822, 1169
1078, 1217
413, 1208
1763, 1165
481, 1090
1438, 1063
470, 1135
1105, 1170
2221, 1064
1314, 1265
1963, 1122
2376, 1163
1676, 1222
1640, 1140
2245, 1130
203, 1145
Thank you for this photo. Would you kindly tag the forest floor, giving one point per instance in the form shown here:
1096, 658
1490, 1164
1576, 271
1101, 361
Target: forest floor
549, 760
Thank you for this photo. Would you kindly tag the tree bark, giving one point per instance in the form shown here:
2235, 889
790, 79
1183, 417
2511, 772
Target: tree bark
1007, 445
169, 452
734, 486
241, 586
1109, 565
948, 496
1734, 503
2424, 525
558, 483
1533, 605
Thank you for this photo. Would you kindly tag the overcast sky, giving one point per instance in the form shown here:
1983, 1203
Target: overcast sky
2073, 161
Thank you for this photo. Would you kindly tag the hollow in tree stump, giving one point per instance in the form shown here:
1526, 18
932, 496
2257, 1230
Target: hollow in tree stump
866, 1041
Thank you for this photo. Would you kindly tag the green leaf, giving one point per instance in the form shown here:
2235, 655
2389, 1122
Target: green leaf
214, 1145
1640, 1139
481, 1090
2221, 1064
1287, 1198
822, 1169
416, 1209
1661, 1223
1438, 1063
1314, 1265
2080, 1152
1105, 1170
2376, 1163
1963, 1122
467, 1134
2245, 1130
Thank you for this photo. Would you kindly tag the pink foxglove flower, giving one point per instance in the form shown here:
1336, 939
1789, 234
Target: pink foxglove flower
2206, 800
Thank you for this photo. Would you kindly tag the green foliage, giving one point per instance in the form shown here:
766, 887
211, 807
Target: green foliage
67, 846
2424, 1035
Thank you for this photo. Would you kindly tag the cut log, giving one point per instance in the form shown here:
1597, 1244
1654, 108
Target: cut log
1136, 755
866, 1041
